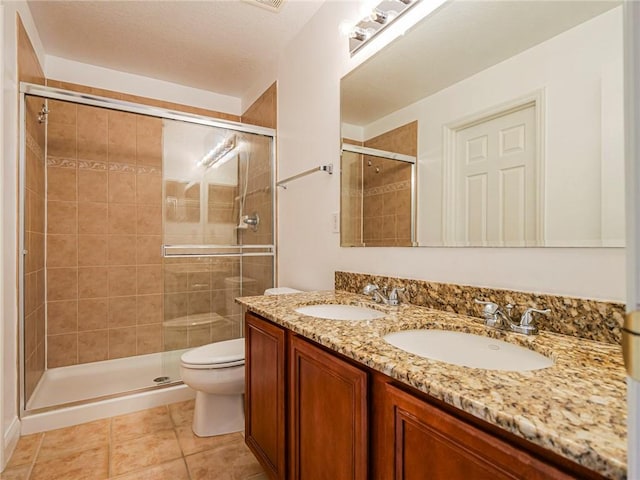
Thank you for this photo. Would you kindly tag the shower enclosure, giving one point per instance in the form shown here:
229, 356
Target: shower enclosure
377, 197
139, 228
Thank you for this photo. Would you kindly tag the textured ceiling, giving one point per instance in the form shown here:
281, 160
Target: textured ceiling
220, 46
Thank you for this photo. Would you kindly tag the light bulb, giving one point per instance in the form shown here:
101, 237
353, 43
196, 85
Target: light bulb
378, 16
345, 28
361, 34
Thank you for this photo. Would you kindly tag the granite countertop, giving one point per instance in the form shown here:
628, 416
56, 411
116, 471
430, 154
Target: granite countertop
575, 408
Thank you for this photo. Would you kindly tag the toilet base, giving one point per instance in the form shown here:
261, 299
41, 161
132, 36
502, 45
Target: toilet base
217, 414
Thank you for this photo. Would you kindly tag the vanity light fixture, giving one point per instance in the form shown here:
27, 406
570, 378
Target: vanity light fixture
217, 153
377, 20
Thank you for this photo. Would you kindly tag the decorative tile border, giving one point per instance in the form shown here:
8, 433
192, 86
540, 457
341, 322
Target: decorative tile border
387, 188
92, 165
122, 167
61, 162
578, 317
64, 162
147, 170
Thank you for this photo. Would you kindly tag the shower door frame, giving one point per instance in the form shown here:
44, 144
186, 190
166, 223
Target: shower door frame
29, 89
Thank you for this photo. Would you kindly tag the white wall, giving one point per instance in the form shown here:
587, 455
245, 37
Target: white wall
308, 135
9, 422
76, 72
580, 73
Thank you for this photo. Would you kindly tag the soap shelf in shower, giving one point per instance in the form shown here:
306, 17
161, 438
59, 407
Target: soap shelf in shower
321, 168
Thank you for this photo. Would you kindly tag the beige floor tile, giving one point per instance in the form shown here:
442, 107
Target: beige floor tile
138, 424
231, 460
87, 465
174, 470
182, 412
190, 443
144, 451
78, 438
16, 473
26, 450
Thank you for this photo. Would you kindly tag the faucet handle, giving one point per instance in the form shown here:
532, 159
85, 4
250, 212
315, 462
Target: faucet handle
393, 296
527, 316
490, 308
370, 288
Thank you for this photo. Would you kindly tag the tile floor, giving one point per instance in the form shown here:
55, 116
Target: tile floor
154, 444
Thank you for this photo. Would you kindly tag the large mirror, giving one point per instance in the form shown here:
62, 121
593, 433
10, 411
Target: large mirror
514, 114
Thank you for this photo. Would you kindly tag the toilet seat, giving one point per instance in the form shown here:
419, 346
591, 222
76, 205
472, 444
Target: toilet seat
229, 353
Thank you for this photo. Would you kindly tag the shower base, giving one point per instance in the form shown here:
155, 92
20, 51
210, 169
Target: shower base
80, 393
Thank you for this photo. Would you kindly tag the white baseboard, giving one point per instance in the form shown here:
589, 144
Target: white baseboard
11, 437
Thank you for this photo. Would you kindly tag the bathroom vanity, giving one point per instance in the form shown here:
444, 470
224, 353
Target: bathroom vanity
333, 396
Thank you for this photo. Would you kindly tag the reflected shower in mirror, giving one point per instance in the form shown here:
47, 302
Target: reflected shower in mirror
518, 115
378, 189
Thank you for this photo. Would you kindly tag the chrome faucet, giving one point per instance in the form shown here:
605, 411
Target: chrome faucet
495, 316
380, 295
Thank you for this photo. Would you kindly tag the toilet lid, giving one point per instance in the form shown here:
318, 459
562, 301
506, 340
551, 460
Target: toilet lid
227, 353
281, 291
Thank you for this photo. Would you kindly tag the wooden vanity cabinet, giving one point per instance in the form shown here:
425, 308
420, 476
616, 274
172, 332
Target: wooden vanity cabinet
322, 400
327, 414
416, 440
265, 393
313, 414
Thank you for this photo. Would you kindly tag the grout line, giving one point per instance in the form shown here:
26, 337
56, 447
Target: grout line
35, 457
186, 466
110, 449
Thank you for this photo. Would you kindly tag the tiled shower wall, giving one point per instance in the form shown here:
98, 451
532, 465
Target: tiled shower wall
199, 290
104, 219
386, 206
34, 272
199, 297
29, 70
106, 295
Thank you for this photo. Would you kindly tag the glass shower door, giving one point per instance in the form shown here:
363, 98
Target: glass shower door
217, 232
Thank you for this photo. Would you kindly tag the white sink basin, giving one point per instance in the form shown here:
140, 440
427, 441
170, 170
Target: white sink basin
340, 312
468, 350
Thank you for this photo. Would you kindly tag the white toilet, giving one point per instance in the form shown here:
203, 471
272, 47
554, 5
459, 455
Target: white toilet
216, 372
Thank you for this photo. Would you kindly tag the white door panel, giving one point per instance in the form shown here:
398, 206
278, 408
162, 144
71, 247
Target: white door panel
513, 215
501, 150
476, 209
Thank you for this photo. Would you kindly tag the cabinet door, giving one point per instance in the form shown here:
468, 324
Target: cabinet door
428, 443
328, 415
265, 375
